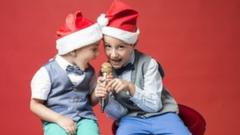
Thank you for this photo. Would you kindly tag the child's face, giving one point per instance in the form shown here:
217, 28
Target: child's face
86, 54
117, 51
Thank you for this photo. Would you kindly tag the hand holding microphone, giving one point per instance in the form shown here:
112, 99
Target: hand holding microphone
106, 70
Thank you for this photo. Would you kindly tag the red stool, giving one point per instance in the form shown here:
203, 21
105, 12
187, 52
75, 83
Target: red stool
191, 118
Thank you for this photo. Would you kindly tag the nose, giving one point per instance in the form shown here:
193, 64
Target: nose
114, 53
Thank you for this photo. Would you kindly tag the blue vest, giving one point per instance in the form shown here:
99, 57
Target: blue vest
140, 67
67, 99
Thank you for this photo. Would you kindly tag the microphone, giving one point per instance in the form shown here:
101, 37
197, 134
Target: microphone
106, 70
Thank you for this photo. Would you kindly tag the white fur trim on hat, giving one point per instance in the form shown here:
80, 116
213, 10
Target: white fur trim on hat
79, 39
126, 36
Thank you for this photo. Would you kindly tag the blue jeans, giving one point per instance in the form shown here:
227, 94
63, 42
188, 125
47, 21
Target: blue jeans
165, 124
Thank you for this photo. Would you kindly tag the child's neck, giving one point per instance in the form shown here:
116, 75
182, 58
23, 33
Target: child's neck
81, 64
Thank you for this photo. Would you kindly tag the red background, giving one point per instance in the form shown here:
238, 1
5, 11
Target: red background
197, 41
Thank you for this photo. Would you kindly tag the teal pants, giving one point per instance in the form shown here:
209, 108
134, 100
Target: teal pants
84, 127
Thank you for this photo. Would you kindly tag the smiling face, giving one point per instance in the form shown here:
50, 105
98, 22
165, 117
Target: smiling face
118, 52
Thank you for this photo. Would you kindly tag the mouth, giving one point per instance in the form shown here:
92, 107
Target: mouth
116, 63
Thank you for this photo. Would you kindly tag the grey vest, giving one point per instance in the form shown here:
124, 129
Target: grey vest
140, 66
67, 99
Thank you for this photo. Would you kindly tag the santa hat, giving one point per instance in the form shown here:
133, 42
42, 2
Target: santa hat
120, 22
77, 32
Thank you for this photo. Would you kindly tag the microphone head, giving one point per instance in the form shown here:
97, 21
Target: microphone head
106, 68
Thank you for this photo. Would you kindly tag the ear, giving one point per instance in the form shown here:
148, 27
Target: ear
73, 53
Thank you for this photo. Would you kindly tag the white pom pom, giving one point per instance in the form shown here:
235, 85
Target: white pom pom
102, 20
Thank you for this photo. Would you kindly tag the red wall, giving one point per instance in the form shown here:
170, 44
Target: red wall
197, 41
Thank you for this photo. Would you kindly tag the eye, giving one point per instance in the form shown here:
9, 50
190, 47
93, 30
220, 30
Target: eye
107, 46
122, 46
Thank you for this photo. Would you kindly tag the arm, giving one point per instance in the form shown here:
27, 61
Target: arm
44, 113
94, 99
40, 86
148, 98
113, 109
93, 84
99, 92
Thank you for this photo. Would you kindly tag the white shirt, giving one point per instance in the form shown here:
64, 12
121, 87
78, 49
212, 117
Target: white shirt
41, 84
148, 98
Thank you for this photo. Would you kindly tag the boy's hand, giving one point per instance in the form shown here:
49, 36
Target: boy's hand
67, 124
100, 90
118, 85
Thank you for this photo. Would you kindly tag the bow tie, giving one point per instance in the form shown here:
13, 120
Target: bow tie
128, 67
74, 69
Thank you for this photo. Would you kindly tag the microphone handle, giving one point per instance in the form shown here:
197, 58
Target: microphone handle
102, 100
102, 103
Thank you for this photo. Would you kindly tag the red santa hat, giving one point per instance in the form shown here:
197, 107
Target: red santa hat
120, 22
76, 33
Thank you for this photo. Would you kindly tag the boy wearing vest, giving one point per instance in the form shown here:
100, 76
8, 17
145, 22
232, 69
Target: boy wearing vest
62, 88
137, 99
